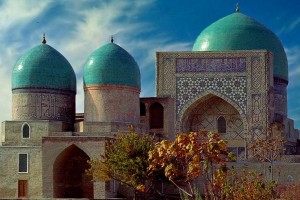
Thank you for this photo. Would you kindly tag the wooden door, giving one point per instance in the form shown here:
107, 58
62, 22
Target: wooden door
22, 188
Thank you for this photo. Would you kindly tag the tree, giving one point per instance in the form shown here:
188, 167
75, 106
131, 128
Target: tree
246, 185
188, 157
270, 147
125, 160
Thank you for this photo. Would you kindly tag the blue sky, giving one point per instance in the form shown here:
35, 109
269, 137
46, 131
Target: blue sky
142, 27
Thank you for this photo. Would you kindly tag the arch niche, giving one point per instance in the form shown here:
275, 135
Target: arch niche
69, 178
207, 111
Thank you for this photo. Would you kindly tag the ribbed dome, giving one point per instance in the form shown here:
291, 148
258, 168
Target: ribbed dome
240, 32
43, 67
111, 64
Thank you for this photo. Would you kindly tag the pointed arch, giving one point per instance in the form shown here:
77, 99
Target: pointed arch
184, 113
142, 109
69, 177
221, 124
156, 117
25, 130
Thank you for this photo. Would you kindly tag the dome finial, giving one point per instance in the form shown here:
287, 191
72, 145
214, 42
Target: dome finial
237, 9
112, 39
44, 39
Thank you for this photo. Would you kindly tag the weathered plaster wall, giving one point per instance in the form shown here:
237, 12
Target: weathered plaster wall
111, 103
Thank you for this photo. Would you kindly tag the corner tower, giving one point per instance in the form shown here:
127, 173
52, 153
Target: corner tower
43, 86
111, 86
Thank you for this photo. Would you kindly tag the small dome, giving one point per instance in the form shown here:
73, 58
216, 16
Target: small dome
111, 64
240, 32
43, 67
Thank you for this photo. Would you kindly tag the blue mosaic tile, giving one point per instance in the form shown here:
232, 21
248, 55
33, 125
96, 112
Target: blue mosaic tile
43, 67
111, 64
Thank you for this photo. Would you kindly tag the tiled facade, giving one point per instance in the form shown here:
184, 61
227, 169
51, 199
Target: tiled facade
241, 78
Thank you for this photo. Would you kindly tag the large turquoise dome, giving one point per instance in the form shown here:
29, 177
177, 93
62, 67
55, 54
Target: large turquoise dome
240, 32
111, 64
43, 67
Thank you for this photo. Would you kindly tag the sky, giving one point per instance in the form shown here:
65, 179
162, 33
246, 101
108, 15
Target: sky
142, 27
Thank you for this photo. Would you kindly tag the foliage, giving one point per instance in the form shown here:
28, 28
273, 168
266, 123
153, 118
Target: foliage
188, 157
125, 160
269, 148
247, 185
290, 191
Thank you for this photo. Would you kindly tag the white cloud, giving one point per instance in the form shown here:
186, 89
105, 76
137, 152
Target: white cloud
290, 26
293, 56
18, 12
14, 16
76, 31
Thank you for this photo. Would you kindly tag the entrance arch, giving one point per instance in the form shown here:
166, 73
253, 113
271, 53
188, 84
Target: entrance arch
209, 112
69, 178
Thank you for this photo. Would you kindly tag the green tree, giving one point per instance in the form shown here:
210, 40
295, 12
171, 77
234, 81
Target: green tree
125, 160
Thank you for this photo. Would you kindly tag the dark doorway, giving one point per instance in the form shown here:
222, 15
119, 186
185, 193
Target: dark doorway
70, 180
156, 116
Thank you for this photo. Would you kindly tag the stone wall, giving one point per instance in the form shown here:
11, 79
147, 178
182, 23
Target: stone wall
12, 131
9, 171
52, 147
167, 103
283, 172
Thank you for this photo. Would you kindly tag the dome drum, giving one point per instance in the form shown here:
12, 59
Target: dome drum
43, 106
43, 86
109, 103
111, 86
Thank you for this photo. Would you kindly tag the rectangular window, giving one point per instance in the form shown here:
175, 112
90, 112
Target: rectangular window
23, 163
22, 188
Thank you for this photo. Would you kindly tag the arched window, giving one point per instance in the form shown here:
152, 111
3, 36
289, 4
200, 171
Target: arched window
221, 125
156, 115
142, 109
25, 131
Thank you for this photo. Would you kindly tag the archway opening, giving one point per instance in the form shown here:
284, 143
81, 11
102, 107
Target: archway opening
156, 116
142, 109
69, 177
213, 113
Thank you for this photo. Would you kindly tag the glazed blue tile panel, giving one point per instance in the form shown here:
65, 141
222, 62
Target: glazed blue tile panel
111, 64
211, 64
240, 32
43, 67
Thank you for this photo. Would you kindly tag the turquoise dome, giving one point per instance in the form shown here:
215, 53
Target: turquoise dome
111, 64
240, 32
43, 67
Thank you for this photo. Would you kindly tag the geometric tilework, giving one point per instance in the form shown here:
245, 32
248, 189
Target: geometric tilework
205, 116
232, 87
211, 64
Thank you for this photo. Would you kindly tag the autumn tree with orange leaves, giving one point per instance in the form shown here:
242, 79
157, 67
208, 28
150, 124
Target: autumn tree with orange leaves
188, 157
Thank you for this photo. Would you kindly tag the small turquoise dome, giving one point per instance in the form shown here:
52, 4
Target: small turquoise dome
240, 32
111, 64
43, 67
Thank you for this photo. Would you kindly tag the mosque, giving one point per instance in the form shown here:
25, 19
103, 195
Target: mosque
234, 81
